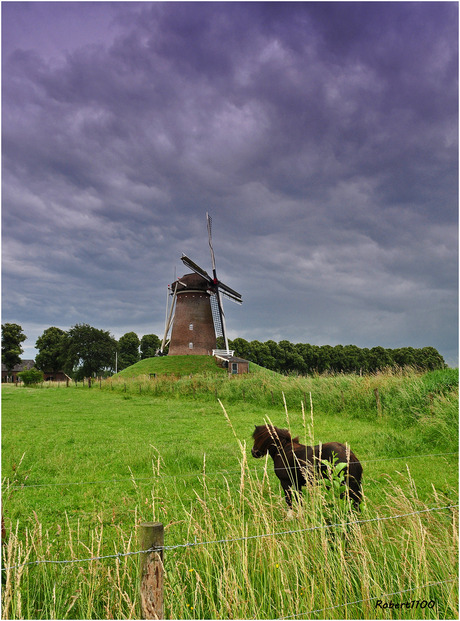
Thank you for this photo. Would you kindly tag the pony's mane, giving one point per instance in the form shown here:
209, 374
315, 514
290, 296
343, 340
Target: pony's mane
267, 433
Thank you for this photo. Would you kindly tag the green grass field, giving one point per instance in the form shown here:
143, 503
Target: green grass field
82, 468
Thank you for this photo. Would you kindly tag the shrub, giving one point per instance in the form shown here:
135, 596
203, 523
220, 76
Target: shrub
33, 376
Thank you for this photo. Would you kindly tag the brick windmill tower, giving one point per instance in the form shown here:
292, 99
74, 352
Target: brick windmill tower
196, 317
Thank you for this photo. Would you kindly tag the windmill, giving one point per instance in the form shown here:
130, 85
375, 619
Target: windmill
196, 316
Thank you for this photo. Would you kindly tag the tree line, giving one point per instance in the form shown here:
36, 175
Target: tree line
82, 351
85, 351
305, 359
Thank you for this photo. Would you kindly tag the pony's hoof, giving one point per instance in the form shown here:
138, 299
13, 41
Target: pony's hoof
290, 514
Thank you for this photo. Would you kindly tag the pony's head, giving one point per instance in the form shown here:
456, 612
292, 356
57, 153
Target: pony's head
266, 436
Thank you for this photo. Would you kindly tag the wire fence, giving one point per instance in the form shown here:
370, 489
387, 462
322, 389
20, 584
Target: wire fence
369, 599
201, 474
233, 539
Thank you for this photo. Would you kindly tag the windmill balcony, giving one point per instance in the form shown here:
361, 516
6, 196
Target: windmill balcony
223, 352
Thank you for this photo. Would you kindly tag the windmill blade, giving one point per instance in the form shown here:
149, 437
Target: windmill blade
230, 293
216, 316
213, 260
170, 318
222, 318
196, 268
231, 297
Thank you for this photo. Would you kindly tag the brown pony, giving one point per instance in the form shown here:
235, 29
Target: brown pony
296, 463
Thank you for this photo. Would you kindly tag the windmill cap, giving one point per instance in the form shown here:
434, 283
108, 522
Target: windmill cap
192, 281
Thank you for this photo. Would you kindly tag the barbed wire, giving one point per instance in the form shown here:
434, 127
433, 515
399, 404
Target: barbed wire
231, 540
304, 530
201, 474
81, 560
369, 599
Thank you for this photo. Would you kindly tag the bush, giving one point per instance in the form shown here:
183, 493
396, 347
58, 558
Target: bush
33, 376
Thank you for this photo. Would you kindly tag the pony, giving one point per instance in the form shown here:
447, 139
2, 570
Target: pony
296, 464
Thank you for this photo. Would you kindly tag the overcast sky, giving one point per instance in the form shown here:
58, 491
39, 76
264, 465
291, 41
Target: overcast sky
321, 137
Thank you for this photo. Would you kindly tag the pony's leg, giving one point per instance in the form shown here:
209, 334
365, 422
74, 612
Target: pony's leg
354, 491
286, 485
355, 495
288, 497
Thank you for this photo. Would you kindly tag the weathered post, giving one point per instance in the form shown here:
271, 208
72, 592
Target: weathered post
151, 570
377, 399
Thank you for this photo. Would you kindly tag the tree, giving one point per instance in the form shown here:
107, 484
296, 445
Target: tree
325, 358
337, 358
352, 359
379, 358
150, 344
89, 351
242, 348
274, 353
12, 337
430, 358
51, 350
404, 356
261, 354
128, 350
290, 360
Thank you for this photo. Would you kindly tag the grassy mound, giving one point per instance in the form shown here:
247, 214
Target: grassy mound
181, 365
172, 365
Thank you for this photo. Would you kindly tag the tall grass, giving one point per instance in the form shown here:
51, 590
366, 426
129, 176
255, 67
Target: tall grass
305, 563
88, 590
258, 561
325, 570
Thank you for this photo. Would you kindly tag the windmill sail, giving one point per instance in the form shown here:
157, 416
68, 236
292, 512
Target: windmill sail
213, 260
216, 316
214, 290
230, 293
169, 316
196, 268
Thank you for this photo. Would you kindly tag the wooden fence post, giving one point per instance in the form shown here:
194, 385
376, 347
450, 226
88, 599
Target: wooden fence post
377, 399
151, 570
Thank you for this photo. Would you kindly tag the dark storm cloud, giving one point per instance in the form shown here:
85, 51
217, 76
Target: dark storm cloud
322, 137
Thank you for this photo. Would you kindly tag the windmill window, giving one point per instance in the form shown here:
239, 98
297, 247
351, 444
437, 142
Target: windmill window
234, 368
190, 327
190, 345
